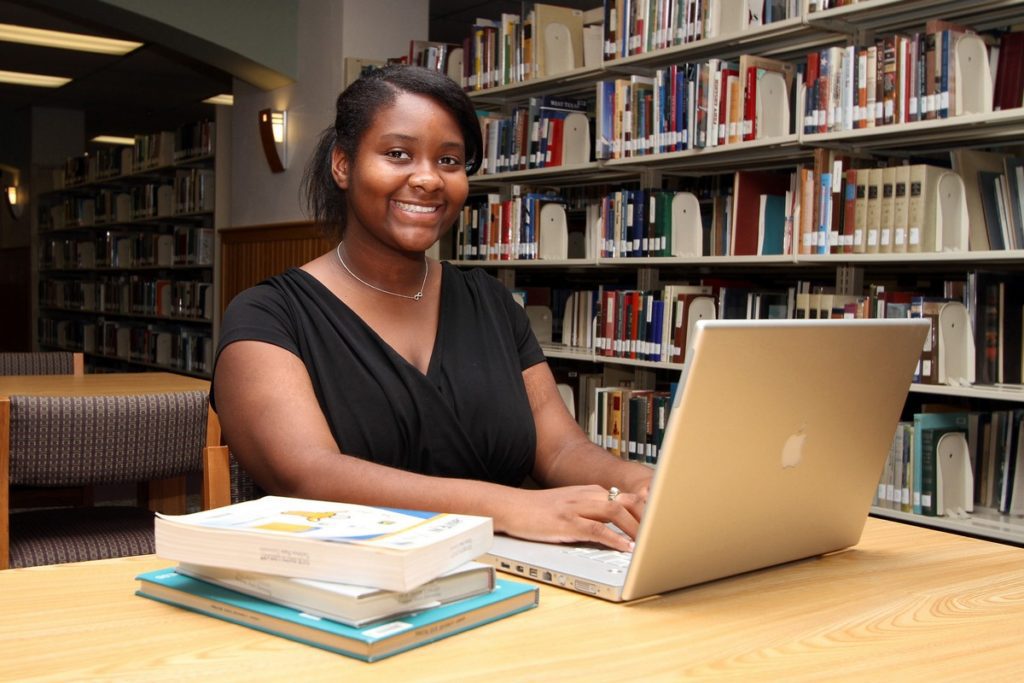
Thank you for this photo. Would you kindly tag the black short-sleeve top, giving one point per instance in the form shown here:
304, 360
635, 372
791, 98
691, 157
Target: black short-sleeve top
468, 416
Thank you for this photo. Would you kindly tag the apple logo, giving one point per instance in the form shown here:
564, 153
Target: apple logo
793, 449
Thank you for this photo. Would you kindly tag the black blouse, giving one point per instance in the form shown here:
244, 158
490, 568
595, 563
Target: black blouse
468, 416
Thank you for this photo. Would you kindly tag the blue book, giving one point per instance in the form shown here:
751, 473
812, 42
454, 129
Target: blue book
368, 643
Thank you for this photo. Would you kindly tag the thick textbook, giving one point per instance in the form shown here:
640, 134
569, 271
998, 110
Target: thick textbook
369, 643
346, 603
376, 547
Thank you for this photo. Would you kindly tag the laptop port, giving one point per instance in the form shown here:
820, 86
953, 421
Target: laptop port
533, 573
546, 576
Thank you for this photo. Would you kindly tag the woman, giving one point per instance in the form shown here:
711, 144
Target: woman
376, 375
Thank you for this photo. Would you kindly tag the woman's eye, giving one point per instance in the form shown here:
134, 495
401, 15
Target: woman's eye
397, 154
451, 161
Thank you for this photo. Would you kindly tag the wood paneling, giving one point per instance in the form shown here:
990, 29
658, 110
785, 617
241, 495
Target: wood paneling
250, 255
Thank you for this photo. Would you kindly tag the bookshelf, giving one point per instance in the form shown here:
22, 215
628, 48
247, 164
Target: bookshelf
813, 27
125, 254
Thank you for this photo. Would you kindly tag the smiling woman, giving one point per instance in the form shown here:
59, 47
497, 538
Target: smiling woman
376, 375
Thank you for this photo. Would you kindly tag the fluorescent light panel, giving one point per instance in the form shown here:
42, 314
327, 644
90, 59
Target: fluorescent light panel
38, 80
13, 33
224, 98
113, 140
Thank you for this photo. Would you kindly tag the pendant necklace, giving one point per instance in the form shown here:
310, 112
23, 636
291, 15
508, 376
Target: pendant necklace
415, 297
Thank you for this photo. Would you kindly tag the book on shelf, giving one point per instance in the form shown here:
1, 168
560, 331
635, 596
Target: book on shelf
347, 603
368, 546
369, 643
748, 187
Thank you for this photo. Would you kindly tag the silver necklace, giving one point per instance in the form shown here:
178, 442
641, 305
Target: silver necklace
415, 297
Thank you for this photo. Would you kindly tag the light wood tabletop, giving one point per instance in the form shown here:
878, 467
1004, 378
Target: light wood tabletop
99, 384
906, 602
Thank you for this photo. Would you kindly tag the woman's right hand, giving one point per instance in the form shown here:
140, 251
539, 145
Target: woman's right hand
571, 514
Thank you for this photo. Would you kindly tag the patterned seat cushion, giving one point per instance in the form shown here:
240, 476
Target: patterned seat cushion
56, 536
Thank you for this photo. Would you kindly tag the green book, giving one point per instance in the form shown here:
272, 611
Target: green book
368, 643
928, 428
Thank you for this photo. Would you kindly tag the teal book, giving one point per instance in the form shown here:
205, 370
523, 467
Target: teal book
368, 643
928, 428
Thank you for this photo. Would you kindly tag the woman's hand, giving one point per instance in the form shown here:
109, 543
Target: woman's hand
572, 514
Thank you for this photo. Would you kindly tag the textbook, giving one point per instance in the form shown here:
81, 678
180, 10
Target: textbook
375, 547
369, 643
345, 603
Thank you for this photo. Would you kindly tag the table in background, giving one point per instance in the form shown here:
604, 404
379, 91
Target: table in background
166, 495
907, 602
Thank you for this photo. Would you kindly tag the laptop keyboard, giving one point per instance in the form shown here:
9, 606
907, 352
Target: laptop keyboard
613, 558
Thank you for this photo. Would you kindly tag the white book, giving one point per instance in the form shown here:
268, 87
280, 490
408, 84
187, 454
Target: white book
347, 603
368, 546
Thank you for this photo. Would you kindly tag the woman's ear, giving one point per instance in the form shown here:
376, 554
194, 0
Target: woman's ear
339, 168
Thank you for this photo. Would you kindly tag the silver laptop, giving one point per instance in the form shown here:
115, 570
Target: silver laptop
772, 453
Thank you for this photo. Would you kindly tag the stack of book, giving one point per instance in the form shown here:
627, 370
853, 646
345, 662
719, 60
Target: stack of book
362, 581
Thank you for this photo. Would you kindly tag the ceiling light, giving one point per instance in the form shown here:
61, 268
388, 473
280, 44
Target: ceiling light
67, 41
113, 140
225, 98
39, 80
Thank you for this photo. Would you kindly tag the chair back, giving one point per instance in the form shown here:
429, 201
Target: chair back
67, 441
78, 440
42, 363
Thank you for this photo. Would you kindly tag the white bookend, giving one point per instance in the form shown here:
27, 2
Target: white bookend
687, 227
954, 480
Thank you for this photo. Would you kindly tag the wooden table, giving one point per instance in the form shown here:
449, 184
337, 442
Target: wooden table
907, 602
99, 384
166, 495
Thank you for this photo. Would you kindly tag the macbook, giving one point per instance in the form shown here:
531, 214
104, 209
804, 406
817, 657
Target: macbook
772, 453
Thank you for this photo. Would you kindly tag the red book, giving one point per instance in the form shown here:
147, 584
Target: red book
1009, 86
748, 186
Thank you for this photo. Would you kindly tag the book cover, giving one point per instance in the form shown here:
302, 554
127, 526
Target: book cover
748, 187
369, 546
371, 643
347, 603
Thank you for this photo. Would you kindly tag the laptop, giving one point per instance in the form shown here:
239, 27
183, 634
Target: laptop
772, 453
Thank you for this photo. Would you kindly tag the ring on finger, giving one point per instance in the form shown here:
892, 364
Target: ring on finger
613, 493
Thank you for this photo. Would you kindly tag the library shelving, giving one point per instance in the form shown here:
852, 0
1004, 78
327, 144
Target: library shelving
848, 269
125, 254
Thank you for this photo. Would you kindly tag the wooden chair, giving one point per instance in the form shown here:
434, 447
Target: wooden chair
54, 441
42, 363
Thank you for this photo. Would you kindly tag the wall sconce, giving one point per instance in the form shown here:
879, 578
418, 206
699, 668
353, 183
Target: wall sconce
14, 194
274, 136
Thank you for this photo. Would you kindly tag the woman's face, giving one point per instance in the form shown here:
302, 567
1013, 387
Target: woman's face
408, 181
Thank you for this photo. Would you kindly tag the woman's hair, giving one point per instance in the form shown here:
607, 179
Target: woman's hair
355, 110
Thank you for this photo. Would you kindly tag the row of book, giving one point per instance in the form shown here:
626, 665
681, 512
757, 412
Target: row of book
361, 581
190, 192
149, 151
183, 245
543, 40
528, 225
834, 204
633, 27
548, 131
977, 324
694, 106
177, 348
945, 70
947, 463
131, 295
